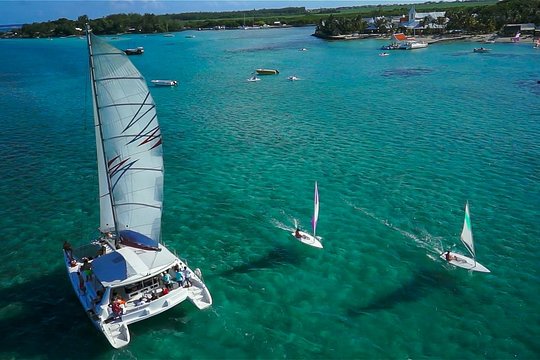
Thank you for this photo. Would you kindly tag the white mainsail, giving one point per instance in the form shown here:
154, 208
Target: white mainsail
466, 233
315, 209
129, 148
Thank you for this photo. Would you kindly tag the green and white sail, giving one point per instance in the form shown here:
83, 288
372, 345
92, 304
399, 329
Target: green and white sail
466, 233
128, 137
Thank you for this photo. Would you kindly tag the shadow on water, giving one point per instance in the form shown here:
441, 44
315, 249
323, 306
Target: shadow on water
407, 72
276, 257
421, 285
42, 319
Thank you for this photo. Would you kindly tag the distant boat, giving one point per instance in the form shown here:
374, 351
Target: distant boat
120, 276
164, 82
481, 50
463, 261
293, 78
136, 51
303, 49
412, 44
168, 35
253, 79
267, 71
190, 36
304, 237
384, 54
404, 42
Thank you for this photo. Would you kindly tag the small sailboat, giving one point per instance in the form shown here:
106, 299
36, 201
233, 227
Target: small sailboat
304, 237
463, 261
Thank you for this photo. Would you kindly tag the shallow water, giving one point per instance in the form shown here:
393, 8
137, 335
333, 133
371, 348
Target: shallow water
396, 143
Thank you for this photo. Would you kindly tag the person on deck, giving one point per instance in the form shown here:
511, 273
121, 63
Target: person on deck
449, 257
166, 278
297, 234
187, 277
178, 276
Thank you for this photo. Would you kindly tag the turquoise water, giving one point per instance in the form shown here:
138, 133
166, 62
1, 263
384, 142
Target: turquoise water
397, 144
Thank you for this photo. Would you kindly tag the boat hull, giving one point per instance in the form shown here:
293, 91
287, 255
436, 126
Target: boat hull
136, 307
465, 262
164, 82
308, 239
267, 71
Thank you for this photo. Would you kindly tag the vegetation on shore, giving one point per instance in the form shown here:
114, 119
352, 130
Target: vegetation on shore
475, 16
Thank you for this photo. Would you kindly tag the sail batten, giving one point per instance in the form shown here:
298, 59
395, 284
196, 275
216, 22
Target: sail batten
128, 129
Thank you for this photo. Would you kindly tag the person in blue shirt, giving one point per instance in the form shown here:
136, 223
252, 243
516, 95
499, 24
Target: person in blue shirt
166, 278
178, 276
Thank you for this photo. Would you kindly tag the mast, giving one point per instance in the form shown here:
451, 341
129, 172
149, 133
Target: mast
315, 209
102, 162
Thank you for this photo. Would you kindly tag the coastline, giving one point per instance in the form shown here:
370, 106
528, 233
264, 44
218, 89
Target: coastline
432, 39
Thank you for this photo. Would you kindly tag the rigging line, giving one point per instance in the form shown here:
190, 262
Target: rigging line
120, 78
85, 104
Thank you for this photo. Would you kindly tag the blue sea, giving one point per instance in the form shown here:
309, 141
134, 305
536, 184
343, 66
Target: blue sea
397, 144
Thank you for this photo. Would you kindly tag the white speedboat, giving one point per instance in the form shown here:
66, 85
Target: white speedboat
412, 44
481, 50
164, 82
124, 274
134, 51
253, 79
384, 54
293, 78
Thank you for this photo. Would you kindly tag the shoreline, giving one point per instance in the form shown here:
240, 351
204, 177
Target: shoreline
433, 39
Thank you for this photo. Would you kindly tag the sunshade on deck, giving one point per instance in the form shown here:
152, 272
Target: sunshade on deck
128, 264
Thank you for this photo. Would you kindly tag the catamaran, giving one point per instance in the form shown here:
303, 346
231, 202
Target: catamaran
125, 274
304, 237
463, 261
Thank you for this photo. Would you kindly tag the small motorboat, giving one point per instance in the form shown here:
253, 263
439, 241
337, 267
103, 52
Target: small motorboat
253, 79
267, 71
293, 78
384, 54
136, 51
303, 49
165, 82
481, 50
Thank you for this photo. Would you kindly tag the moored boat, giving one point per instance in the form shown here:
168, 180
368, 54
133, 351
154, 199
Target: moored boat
164, 82
481, 50
134, 51
267, 71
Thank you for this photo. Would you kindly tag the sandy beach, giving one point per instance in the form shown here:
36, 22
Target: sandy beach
484, 38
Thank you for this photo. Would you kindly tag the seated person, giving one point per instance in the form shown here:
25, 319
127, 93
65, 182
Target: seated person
450, 257
297, 234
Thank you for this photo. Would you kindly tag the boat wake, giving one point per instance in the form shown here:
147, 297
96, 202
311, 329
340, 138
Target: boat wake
426, 241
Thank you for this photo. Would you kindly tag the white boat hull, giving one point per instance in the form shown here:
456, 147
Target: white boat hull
308, 239
465, 262
116, 331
